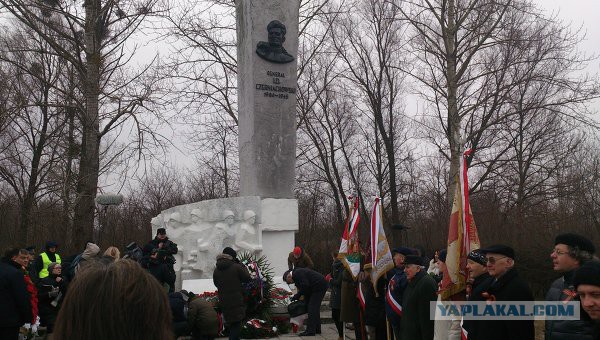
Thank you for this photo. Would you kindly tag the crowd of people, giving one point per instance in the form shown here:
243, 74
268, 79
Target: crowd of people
399, 305
103, 295
34, 287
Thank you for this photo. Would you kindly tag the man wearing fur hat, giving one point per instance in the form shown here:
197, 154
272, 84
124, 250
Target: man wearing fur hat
416, 323
505, 285
569, 253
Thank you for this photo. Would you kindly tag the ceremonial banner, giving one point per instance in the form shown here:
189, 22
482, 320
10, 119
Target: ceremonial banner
349, 253
381, 256
462, 236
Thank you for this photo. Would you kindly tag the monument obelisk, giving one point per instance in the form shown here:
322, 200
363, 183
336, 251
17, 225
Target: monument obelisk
267, 36
267, 33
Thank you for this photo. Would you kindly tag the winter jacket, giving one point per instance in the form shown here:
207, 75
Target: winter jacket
478, 286
307, 282
583, 329
335, 299
416, 323
15, 306
508, 287
304, 261
228, 278
350, 305
177, 304
397, 283
50, 296
202, 318
168, 249
159, 270
374, 302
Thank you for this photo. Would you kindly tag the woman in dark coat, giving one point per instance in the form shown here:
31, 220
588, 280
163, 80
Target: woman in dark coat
228, 278
51, 291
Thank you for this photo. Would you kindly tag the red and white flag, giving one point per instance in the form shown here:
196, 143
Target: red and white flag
462, 236
349, 252
361, 296
381, 256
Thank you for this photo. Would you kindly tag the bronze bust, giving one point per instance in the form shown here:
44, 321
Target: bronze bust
273, 50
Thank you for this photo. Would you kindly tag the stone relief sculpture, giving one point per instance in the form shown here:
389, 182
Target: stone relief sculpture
249, 236
195, 233
202, 230
213, 243
273, 50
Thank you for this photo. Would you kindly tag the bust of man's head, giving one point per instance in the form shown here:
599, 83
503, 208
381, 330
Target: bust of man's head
276, 33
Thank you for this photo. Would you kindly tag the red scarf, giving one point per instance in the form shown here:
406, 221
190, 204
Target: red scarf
33, 294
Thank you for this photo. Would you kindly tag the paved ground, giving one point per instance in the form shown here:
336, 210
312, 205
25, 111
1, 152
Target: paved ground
328, 333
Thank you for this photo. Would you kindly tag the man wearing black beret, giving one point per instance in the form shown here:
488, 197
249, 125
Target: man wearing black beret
569, 253
505, 285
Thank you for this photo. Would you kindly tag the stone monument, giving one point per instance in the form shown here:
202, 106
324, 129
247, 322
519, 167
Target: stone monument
264, 219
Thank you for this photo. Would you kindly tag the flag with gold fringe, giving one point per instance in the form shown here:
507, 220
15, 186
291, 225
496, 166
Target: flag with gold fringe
462, 236
381, 256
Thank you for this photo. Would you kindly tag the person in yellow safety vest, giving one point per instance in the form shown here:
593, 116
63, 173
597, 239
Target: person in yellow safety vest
44, 259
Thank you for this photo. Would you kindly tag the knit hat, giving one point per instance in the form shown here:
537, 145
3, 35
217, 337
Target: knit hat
443, 255
499, 249
413, 259
287, 272
229, 251
297, 251
588, 274
51, 266
51, 244
575, 240
478, 257
161, 231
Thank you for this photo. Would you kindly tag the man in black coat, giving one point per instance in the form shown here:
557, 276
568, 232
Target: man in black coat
569, 253
15, 304
587, 283
158, 269
228, 277
312, 286
479, 279
167, 249
505, 285
416, 323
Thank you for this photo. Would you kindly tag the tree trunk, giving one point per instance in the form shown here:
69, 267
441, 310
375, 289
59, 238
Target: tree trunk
453, 132
89, 164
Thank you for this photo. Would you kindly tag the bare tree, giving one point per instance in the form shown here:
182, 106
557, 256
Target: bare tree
369, 41
470, 58
93, 42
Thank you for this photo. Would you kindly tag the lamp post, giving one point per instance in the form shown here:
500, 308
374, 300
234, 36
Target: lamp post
104, 201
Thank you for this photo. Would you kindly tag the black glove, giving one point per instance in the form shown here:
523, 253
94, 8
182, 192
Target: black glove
295, 297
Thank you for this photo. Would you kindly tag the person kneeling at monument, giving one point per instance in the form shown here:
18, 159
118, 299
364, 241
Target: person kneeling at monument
202, 319
117, 301
312, 285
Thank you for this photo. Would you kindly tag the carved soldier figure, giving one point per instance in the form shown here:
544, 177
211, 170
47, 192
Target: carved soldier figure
248, 237
273, 50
